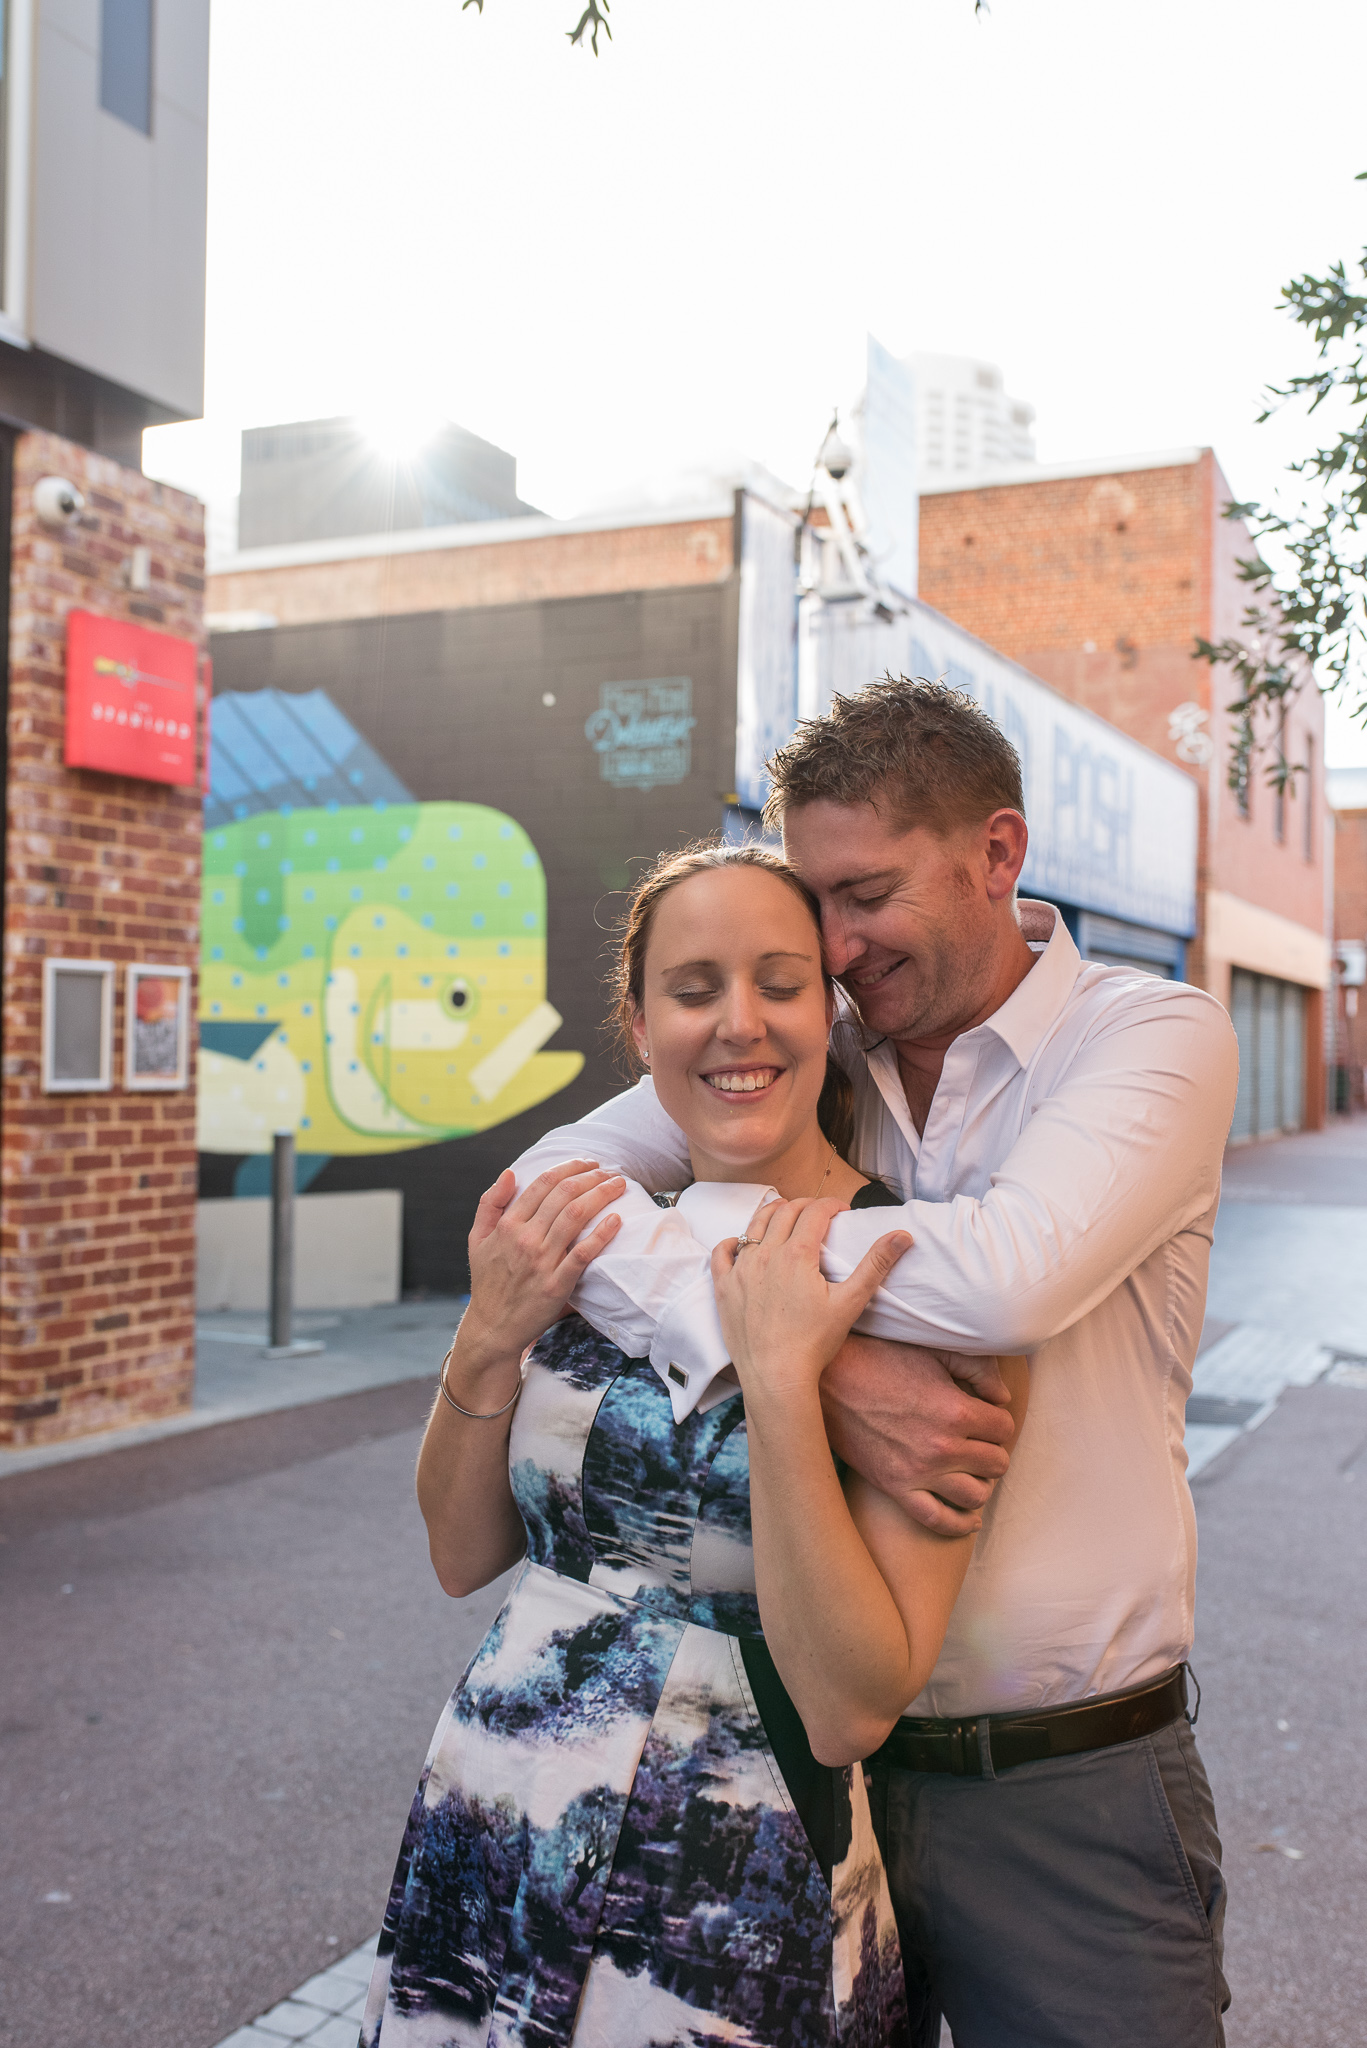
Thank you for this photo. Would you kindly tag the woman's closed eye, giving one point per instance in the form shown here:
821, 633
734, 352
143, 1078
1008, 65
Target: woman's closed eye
779, 992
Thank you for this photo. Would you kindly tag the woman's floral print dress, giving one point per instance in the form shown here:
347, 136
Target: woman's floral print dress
620, 1838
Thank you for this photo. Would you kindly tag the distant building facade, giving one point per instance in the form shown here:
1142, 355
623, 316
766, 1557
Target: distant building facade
597, 690
101, 335
313, 480
103, 158
966, 421
1348, 802
1099, 577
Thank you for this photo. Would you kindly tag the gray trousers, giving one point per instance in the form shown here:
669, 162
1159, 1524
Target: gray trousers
1075, 1903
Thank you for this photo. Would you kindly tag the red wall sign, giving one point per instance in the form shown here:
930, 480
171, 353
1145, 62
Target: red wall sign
130, 699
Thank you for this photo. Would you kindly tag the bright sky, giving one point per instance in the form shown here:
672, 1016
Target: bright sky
669, 255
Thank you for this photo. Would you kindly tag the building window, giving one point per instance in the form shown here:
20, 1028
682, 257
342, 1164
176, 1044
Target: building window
1269, 1022
1308, 816
1279, 794
126, 61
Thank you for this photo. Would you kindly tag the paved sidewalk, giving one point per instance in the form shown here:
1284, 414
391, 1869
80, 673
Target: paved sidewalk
1287, 1304
325, 2012
1325, 1168
365, 1347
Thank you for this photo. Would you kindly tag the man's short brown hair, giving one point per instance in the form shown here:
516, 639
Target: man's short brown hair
926, 754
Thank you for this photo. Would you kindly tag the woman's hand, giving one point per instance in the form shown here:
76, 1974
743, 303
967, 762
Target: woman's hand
524, 1266
525, 1262
783, 1320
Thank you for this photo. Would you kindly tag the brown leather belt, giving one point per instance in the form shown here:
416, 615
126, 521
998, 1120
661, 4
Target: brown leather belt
960, 1747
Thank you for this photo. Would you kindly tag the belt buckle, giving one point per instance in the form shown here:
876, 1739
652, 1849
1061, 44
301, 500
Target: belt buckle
965, 1750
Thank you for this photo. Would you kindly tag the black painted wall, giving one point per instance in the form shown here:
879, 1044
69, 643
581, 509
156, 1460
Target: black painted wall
453, 701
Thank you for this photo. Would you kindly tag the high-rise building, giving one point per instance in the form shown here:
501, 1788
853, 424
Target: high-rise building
316, 480
966, 421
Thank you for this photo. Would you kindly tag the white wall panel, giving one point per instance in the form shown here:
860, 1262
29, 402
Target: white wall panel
117, 266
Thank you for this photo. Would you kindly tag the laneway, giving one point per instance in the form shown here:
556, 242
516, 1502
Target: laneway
224, 1656
225, 1653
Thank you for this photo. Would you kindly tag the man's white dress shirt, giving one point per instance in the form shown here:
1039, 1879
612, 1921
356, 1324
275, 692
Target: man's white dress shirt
1061, 1200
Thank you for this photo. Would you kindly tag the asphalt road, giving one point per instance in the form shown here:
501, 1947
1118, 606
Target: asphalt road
224, 1654
1281, 1654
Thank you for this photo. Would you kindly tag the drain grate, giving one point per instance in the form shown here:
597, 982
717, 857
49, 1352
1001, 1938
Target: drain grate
1211, 1408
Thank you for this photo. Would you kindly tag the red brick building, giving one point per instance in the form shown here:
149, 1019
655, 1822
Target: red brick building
97, 1190
101, 336
1348, 798
1100, 578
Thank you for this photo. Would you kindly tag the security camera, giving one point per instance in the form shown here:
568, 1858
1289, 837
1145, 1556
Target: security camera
834, 455
58, 503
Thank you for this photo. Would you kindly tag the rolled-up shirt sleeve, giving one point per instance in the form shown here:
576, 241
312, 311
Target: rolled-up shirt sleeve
1119, 1156
1122, 1155
650, 1292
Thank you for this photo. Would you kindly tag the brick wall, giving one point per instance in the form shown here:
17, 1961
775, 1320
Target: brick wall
1100, 584
1350, 876
1096, 583
511, 571
1350, 922
97, 1192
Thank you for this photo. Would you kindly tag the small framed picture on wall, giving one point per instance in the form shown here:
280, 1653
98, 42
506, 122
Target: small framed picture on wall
156, 1027
78, 1026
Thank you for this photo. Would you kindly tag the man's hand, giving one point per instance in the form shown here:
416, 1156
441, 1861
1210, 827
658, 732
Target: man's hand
899, 1416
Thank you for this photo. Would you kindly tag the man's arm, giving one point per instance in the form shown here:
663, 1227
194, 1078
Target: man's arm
1123, 1154
895, 1414
654, 1260
946, 1444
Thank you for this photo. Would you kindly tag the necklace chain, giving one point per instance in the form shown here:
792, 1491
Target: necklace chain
822, 1182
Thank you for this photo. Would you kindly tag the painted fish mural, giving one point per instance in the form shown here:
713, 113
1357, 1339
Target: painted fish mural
373, 976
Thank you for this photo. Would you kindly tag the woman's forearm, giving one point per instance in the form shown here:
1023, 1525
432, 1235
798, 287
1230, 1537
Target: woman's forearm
836, 1635
474, 1530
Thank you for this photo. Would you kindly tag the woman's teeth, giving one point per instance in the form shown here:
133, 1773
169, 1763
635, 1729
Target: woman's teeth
740, 1084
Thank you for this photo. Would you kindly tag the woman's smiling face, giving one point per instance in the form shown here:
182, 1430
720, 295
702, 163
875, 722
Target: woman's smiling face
735, 1017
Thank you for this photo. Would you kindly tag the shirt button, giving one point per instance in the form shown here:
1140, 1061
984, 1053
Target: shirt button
615, 1334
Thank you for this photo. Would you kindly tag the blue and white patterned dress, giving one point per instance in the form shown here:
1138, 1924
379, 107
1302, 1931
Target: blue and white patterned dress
603, 1848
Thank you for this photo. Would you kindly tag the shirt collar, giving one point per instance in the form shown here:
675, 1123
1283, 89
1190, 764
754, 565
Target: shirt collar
1030, 1010
1020, 1023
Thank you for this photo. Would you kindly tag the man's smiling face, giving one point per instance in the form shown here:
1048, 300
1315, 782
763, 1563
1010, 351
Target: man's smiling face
910, 920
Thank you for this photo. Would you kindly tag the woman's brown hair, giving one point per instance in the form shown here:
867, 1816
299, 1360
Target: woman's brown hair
626, 981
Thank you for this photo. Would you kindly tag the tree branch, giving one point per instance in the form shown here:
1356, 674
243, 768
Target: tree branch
1310, 621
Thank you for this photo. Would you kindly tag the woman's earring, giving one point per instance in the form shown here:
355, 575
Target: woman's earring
645, 1054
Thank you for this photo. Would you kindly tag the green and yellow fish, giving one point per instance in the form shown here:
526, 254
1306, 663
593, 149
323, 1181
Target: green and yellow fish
373, 978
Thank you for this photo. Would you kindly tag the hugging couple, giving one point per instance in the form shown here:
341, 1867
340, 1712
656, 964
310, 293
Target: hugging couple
836, 1693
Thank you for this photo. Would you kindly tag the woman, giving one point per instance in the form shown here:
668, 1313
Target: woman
638, 1823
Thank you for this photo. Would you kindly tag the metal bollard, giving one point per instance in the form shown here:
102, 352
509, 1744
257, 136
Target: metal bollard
282, 1343
282, 1241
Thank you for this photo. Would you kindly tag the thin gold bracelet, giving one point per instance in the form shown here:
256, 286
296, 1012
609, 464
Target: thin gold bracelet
470, 1414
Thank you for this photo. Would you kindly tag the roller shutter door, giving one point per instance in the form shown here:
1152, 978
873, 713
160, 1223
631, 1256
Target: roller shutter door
1243, 1004
1269, 1022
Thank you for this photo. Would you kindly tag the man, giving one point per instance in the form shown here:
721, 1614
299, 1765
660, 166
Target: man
1057, 1128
